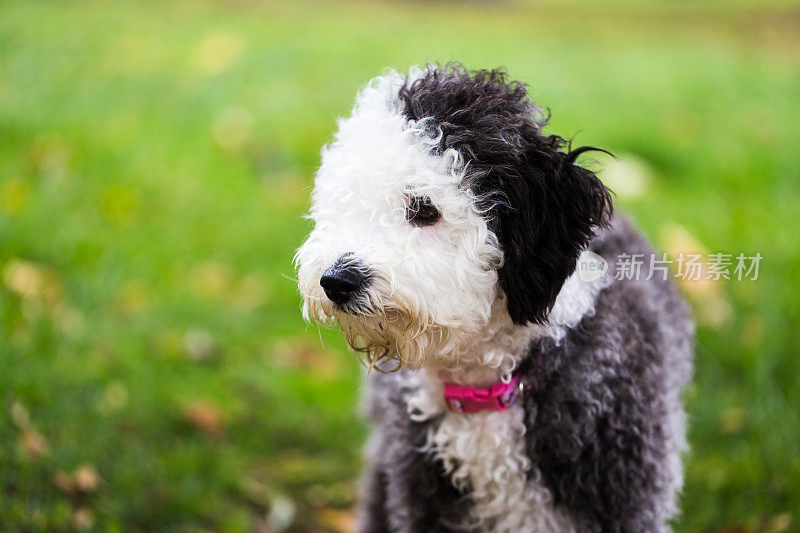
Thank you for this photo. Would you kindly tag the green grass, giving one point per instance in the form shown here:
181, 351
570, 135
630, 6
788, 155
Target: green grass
155, 160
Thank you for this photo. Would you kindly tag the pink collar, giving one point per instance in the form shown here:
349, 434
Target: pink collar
499, 397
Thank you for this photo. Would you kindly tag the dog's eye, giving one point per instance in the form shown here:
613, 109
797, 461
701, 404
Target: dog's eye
422, 212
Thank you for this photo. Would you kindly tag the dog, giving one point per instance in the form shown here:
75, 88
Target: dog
506, 393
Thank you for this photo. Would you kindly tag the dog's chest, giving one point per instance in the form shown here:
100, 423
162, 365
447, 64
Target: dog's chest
484, 455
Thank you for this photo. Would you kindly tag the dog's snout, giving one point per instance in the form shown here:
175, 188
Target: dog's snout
342, 282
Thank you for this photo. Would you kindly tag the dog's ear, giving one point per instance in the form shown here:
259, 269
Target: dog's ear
553, 207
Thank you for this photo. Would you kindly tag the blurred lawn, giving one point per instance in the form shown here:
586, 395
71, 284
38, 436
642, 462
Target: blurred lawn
155, 159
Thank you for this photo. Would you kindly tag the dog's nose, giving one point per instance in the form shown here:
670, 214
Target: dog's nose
341, 283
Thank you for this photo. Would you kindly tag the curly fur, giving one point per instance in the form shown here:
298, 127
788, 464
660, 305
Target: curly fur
487, 289
614, 452
542, 207
359, 202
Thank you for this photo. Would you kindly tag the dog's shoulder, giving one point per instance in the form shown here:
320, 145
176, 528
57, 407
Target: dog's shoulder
644, 312
604, 418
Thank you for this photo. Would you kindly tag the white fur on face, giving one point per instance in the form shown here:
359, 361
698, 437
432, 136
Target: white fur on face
431, 287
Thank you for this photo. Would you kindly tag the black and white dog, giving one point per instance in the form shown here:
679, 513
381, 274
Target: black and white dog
448, 228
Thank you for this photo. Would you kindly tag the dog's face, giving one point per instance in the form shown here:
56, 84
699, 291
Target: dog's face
438, 201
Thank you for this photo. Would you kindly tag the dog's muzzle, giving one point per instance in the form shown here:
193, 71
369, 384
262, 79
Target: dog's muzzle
343, 281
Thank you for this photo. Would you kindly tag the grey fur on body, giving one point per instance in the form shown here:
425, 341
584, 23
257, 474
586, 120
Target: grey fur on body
603, 414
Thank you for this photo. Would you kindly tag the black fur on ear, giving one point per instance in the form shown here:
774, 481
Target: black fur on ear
543, 207
553, 209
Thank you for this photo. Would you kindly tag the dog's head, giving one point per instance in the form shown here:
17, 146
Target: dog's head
439, 199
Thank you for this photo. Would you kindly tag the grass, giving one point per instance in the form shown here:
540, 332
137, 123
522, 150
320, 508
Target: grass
155, 160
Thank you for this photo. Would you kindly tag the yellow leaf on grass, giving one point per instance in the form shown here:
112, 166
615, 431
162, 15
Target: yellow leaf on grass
86, 479
199, 344
133, 298
13, 195
708, 295
32, 443
337, 519
50, 157
205, 417
250, 293
64, 482
114, 398
83, 480
19, 414
118, 202
32, 280
752, 331
628, 176
218, 51
310, 358
780, 523
211, 280
733, 420
82, 518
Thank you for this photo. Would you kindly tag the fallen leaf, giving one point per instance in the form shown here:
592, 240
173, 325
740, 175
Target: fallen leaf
337, 519
211, 280
336, 495
133, 298
13, 195
286, 188
218, 51
779, 523
50, 157
82, 518
86, 479
752, 331
733, 420
114, 398
19, 414
712, 304
256, 493
310, 358
682, 127
32, 443
70, 321
250, 293
199, 344
262, 525
169, 344
118, 202
83, 480
628, 176
64, 482
32, 280
205, 417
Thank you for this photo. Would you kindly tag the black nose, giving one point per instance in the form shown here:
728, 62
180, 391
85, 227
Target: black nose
342, 282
